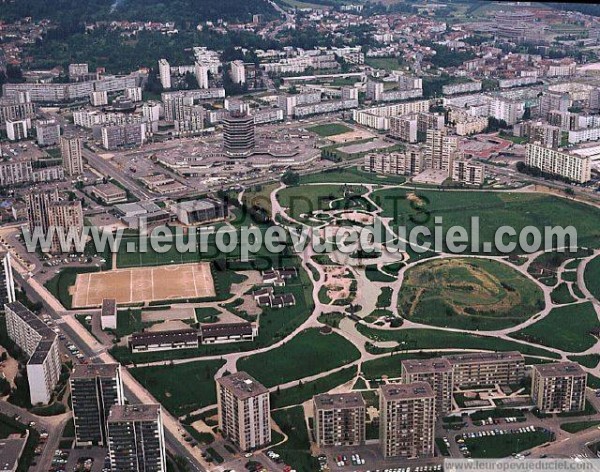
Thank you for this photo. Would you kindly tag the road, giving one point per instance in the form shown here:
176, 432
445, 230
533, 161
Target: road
108, 170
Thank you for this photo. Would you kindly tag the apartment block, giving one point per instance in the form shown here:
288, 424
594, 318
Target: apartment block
38, 204
95, 388
66, 216
18, 129
574, 165
136, 439
244, 411
407, 420
7, 282
468, 172
404, 128
40, 343
339, 419
438, 373
538, 131
408, 162
72, 154
473, 369
47, 132
124, 135
164, 73
238, 72
379, 117
440, 150
559, 387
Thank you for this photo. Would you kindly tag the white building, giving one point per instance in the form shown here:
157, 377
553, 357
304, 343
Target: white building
40, 343
99, 99
134, 94
574, 165
18, 129
72, 154
47, 132
244, 411
108, 314
201, 72
164, 73
238, 72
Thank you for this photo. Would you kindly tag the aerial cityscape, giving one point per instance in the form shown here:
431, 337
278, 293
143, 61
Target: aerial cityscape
299, 235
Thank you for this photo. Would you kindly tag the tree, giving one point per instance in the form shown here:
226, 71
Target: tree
290, 178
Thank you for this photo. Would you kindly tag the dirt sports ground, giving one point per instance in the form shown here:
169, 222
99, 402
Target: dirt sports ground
144, 284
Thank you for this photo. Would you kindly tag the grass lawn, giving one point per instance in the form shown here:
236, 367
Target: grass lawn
329, 129
258, 195
561, 295
305, 199
492, 447
306, 354
181, 388
130, 321
592, 277
387, 63
468, 293
589, 360
350, 175
385, 297
437, 339
566, 328
578, 426
375, 275
296, 450
207, 314
301, 393
494, 209
59, 284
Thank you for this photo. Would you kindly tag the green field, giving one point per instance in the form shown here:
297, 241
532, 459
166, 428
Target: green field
350, 175
468, 294
306, 354
387, 63
566, 328
494, 209
181, 388
330, 129
592, 277
492, 447
301, 393
438, 339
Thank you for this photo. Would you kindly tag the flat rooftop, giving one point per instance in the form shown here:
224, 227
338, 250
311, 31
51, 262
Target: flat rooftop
485, 357
557, 369
242, 385
120, 413
340, 400
417, 366
10, 451
195, 205
109, 307
411, 391
83, 371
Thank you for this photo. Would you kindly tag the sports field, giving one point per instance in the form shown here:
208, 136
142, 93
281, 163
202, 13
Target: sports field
141, 284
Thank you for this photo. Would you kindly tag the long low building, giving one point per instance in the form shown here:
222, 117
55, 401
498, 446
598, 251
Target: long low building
163, 340
573, 164
472, 369
220, 333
